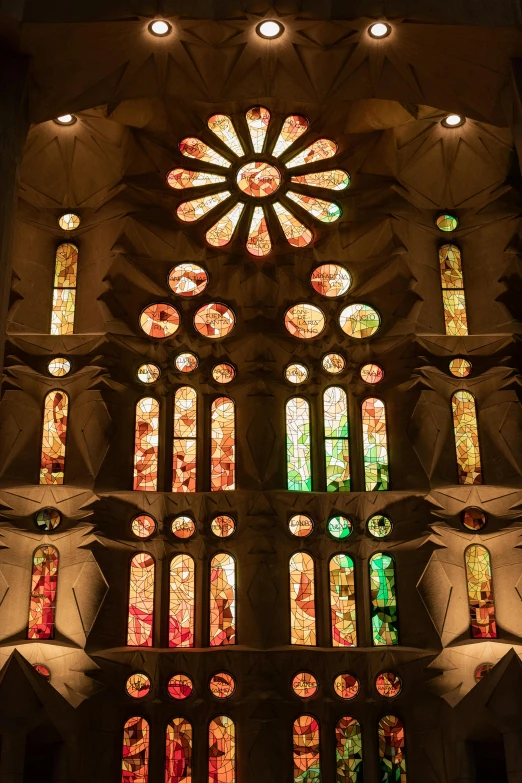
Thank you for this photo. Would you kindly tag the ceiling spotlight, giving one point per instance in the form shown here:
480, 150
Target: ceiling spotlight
65, 119
379, 30
270, 29
453, 121
160, 28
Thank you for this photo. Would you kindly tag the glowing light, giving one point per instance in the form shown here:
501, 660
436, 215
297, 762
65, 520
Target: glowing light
270, 29
65, 119
258, 119
179, 687
160, 28
453, 121
296, 373
379, 30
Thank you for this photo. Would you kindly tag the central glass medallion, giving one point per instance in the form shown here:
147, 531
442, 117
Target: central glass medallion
258, 179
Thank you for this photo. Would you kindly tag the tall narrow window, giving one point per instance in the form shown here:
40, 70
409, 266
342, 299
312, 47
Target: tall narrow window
222, 600
298, 445
348, 751
392, 760
307, 758
342, 601
480, 593
222, 750
64, 289
336, 443
146, 445
54, 436
385, 627
302, 599
375, 445
44, 581
223, 449
465, 427
185, 443
453, 297
135, 751
178, 760
181, 609
141, 601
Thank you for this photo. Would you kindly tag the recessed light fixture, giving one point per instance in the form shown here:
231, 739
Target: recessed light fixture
270, 29
379, 30
160, 28
65, 119
453, 121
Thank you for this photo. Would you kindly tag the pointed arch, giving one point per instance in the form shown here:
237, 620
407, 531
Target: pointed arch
178, 747
222, 750
480, 592
375, 445
181, 604
385, 626
453, 296
222, 600
392, 749
302, 599
306, 745
223, 445
465, 427
342, 601
185, 440
141, 601
298, 445
348, 751
146, 445
336, 440
135, 751
54, 438
44, 583
64, 289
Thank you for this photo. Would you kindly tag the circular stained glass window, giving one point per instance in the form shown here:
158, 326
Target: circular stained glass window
42, 669
346, 686
305, 685
372, 373
296, 373
333, 363
460, 368
300, 525
138, 685
180, 686
224, 373
304, 321
214, 320
69, 221
59, 367
188, 279
482, 670
183, 527
160, 321
359, 321
223, 526
388, 684
222, 685
143, 526
258, 179
447, 222
331, 280
148, 373
474, 518
186, 362
379, 526
47, 519
340, 527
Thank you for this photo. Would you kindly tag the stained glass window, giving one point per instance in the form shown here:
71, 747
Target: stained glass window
305, 685
54, 436
348, 751
258, 242
379, 526
331, 280
141, 601
453, 297
190, 211
188, 279
258, 179
480, 593
223, 445
64, 289
333, 363
182, 599
146, 445
359, 320
214, 320
160, 320
194, 148
59, 367
183, 527
336, 443
222, 126
342, 601
340, 527
307, 763
336, 179
375, 445
465, 426
304, 321
293, 128
223, 526
180, 179
296, 373
460, 367
223, 373
47, 519
325, 211
372, 373
482, 670
69, 221
148, 373
221, 233
388, 684
385, 627
474, 518
138, 685
298, 445
222, 750
44, 581
185, 440
186, 362
143, 526
322, 149
179, 687
300, 525
295, 232
222, 685
302, 599
258, 119
44, 670
178, 758
135, 752
447, 223
392, 759
346, 686
222, 600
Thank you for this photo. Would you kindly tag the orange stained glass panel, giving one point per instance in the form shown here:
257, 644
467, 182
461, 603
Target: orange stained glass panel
135, 751
325, 211
322, 149
304, 321
64, 293
224, 129
66, 267
54, 436
146, 445
336, 179
295, 232
331, 280
302, 599
178, 759
188, 279
258, 119
141, 601
392, 749
222, 600
160, 320
190, 211
293, 128
307, 759
214, 320
467, 447
258, 242
185, 440
258, 179
223, 445
222, 750
180, 179
221, 233
480, 593
195, 148
453, 295
44, 582
342, 601
182, 597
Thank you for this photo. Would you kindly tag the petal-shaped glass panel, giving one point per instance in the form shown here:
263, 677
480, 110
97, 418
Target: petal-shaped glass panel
337, 179
224, 129
179, 179
293, 128
322, 149
222, 232
195, 148
295, 232
325, 211
258, 242
257, 120
190, 211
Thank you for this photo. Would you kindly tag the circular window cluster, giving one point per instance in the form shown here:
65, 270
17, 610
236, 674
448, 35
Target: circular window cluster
346, 685
183, 526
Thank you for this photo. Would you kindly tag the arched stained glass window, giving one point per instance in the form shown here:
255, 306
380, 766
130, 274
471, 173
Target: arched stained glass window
342, 601
181, 606
302, 599
298, 445
223, 445
64, 289
480, 593
141, 601
222, 750
222, 600
465, 426
135, 751
392, 760
453, 297
54, 436
336, 443
185, 443
307, 757
385, 628
42, 605
375, 445
146, 445
348, 751
178, 757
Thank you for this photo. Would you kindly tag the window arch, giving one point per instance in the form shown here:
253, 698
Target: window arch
375, 445
385, 627
44, 583
453, 296
302, 599
141, 601
185, 440
480, 592
223, 445
306, 744
342, 601
146, 445
222, 600
222, 750
64, 289
392, 759
54, 437
135, 751
181, 604
336, 439
348, 750
465, 427
178, 756
298, 445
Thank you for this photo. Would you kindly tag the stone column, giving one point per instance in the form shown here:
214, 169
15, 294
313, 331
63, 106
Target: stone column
12, 758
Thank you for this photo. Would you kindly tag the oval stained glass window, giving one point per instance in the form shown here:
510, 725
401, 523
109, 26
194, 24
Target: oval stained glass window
59, 367
379, 526
331, 280
222, 685
186, 362
258, 179
305, 685
447, 222
304, 321
188, 279
300, 525
388, 684
180, 687
482, 670
42, 669
340, 527
359, 320
159, 320
183, 527
47, 519
346, 686
223, 373
333, 363
460, 367
223, 526
214, 320
138, 685
372, 373
148, 373
474, 518
143, 526
69, 221
296, 373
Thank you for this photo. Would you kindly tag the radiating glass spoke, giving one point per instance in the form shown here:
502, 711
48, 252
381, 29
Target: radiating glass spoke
259, 242
322, 149
179, 179
222, 232
293, 128
195, 148
337, 179
325, 211
257, 120
189, 211
224, 129
296, 233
